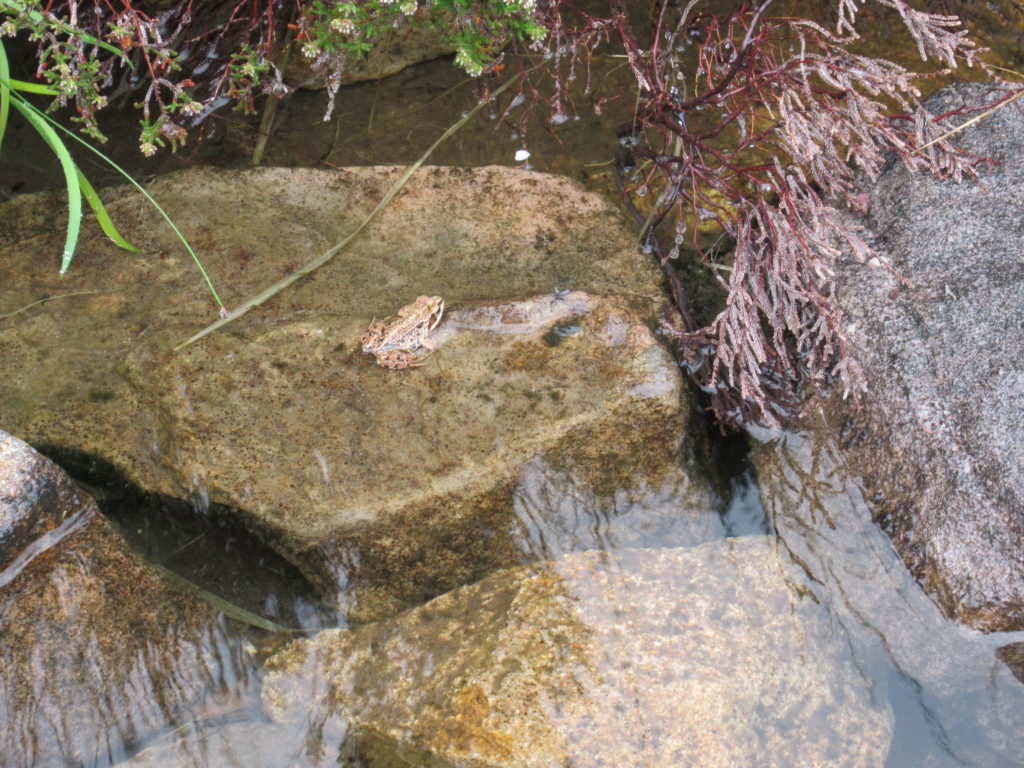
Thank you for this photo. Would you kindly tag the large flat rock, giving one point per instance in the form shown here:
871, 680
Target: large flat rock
299, 416
330, 454
711, 656
405, 478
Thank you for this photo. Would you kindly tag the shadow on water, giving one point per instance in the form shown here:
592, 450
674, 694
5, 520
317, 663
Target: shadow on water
204, 545
740, 510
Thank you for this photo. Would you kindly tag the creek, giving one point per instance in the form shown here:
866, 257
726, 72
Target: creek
953, 701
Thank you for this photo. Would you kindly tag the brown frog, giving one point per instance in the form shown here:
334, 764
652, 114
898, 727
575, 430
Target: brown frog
403, 342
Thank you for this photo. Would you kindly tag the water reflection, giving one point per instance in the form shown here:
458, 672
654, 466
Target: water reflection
558, 513
956, 703
99, 656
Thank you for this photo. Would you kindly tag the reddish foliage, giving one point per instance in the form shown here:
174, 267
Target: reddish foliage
781, 117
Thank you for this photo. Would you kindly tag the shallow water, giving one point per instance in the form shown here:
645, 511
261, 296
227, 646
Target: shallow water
955, 702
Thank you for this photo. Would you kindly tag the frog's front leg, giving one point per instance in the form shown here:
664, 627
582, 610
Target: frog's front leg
371, 340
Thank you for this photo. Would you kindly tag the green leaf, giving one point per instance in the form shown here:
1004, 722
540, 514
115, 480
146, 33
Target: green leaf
5, 95
26, 87
70, 177
101, 213
149, 198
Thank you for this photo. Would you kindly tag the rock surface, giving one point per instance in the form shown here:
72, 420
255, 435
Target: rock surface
96, 651
38, 505
968, 705
940, 437
400, 484
711, 656
334, 455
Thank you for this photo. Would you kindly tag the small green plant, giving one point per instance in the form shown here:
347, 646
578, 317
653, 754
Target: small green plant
63, 63
478, 30
331, 32
78, 186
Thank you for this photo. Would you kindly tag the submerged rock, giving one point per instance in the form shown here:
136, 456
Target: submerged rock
392, 486
96, 650
968, 706
939, 437
222, 743
716, 655
411, 473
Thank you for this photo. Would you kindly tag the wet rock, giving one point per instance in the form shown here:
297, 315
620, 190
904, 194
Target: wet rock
449, 232
940, 437
406, 478
394, 49
96, 651
716, 655
959, 700
401, 484
39, 505
222, 743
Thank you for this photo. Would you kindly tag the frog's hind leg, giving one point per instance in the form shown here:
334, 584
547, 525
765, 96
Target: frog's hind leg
417, 358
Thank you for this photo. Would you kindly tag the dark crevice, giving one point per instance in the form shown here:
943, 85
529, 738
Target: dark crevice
205, 544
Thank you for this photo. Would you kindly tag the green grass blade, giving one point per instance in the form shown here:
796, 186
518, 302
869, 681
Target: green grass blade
101, 214
26, 87
70, 176
145, 194
138, 186
228, 609
5, 94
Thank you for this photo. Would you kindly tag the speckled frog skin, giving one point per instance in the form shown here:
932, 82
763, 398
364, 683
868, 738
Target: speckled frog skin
404, 342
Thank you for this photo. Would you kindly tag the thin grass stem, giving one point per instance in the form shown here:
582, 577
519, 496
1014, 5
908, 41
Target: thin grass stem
319, 261
148, 197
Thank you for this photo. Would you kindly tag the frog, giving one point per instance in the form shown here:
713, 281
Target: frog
404, 342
